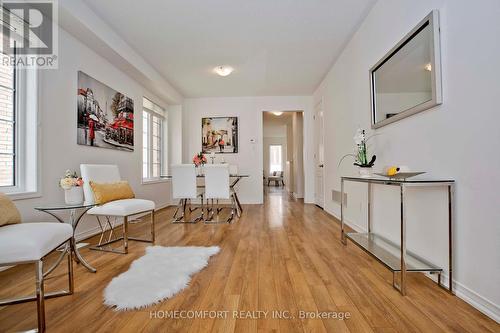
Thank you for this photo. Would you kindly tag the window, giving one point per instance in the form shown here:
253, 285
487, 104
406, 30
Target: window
153, 143
275, 158
19, 145
8, 126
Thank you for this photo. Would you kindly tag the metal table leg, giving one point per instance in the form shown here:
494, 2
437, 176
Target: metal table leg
451, 197
342, 233
238, 203
402, 285
74, 221
369, 208
236, 195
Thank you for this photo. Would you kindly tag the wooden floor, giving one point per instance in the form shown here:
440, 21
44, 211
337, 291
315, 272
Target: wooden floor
281, 256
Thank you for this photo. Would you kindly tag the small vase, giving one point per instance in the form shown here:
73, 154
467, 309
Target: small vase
365, 172
74, 195
199, 170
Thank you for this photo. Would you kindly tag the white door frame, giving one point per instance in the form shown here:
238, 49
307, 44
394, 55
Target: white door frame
319, 198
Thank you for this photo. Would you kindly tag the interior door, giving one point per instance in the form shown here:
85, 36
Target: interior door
319, 154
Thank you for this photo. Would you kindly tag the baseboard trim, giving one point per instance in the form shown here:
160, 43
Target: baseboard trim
479, 302
463, 292
351, 224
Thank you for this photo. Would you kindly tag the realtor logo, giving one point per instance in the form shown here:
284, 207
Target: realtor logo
29, 31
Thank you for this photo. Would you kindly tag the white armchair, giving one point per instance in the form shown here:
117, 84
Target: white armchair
28, 243
118, 209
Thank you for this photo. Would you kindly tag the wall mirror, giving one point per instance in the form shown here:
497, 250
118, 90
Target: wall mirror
407, 79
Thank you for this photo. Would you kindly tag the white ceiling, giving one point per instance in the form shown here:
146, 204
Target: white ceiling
278, 47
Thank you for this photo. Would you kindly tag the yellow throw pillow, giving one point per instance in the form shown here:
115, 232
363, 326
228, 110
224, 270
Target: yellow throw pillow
106, 192
10, 214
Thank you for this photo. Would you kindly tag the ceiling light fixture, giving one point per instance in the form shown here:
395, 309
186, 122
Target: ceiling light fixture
277, 113
223, 70
428, 67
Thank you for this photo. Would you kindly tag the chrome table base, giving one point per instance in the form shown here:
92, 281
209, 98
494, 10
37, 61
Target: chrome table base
212, 212
74, 220
183, 203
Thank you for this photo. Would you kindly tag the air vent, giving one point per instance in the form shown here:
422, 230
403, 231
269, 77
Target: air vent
336, 197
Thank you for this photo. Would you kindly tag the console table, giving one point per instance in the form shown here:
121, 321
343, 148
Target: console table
395, 257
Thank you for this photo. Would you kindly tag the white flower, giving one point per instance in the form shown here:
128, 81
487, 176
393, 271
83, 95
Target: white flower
359, 137
67, 183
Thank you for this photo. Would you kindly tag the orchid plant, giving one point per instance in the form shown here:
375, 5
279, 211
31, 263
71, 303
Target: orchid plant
361, 152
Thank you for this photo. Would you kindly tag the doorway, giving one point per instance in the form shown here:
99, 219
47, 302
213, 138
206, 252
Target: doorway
283, 153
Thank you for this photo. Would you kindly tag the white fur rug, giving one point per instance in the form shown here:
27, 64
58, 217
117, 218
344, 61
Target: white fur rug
159, 274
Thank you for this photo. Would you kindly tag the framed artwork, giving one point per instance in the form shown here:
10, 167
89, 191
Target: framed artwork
105, 116
219, 135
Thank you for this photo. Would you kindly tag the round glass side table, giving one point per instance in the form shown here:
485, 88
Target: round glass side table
74, 218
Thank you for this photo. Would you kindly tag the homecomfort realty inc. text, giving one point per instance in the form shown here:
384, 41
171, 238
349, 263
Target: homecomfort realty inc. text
256, 314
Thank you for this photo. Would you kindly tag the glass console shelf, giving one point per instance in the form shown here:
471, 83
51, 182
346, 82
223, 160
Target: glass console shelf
389, 253
396, 257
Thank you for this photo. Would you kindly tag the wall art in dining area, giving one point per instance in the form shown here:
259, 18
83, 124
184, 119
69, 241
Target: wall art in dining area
105, 116
219, 135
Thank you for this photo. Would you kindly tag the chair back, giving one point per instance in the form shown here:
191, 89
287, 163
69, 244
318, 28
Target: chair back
99, 173
217, 181
233, 169
183, 181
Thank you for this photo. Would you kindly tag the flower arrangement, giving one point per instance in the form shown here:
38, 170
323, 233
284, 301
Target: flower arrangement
199, 159
70, 180
361, 153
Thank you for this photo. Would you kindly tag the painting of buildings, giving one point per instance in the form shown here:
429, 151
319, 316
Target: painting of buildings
105, 116
219, 135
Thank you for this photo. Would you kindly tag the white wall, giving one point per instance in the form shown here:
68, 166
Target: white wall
250, 156
273, 130
459, 139
59, 150
174, 134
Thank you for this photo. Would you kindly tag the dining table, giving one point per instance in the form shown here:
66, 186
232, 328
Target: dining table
235, 180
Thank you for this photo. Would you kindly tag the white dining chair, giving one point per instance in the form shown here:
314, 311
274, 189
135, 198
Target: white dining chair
184, 189
217, 188
118, 209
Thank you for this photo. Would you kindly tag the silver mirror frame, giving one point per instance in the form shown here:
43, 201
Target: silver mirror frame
433, 21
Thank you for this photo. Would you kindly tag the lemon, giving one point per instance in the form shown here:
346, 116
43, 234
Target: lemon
392, 171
